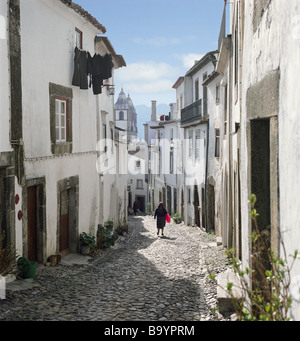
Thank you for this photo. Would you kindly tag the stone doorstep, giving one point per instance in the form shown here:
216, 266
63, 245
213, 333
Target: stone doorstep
20, 285
219, 241
75, 258
226, 307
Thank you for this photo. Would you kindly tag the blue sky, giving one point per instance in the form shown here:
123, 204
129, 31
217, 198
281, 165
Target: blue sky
159, 40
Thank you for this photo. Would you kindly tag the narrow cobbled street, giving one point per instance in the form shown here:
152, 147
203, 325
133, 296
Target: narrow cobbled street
142, 278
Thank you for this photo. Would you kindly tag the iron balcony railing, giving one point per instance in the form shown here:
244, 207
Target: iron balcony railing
192, 112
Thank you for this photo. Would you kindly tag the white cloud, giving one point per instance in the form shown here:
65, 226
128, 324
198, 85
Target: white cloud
148, 80
188, 60
157, 41
147, 77
151, 87
146, 71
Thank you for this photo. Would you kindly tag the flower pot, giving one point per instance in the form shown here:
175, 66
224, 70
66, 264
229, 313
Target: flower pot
85, 249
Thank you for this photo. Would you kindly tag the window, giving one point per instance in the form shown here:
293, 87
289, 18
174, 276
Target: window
190, 143
105, 137
171, 161
61, 112
197, 90
138, 164
139, 184
112, 139
189, 195
61, 133
121, 116
78, 38
225, 109
218, 94
205, 95
217, 143
197, 149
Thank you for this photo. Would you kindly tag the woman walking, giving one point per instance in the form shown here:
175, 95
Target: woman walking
160, 213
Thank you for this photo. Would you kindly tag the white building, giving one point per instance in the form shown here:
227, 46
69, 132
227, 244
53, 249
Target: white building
110, 146
215, 103
259, 64
55, 126
165, 147
137, 158
8, 208
192, 97
137, 171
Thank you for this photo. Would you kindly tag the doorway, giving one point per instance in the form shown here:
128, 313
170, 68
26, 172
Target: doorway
141, 202
169, 199
182, 205
67, 216
202, 207
196, 206
34, 208
130, 199
3, 206
64, 233
211, 208
260, 186
32, 239
260, 172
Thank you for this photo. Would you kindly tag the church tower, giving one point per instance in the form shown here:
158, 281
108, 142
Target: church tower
126, 116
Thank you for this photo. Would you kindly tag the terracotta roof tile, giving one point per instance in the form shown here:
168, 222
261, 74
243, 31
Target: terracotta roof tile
86, 15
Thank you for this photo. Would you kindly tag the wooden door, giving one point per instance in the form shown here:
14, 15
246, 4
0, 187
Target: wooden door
64, 221
3, 209
32, 223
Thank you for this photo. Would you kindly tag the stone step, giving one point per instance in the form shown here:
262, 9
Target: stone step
226, 306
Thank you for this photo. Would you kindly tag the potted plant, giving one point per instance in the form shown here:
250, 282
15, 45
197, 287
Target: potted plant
101, 236
177, 218
109, 224
87, 242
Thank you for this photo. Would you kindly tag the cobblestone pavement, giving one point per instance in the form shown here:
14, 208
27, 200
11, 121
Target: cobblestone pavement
142, 278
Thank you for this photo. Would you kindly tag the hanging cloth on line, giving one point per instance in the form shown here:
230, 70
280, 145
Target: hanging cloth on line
80, 76
98, 68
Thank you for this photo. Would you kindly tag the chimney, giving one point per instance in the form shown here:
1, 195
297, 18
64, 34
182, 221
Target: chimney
153, 115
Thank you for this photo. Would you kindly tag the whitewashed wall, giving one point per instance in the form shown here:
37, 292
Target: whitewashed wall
4, 80
48, 42
276, 45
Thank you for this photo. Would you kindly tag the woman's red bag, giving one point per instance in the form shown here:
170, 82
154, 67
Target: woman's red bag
168, 218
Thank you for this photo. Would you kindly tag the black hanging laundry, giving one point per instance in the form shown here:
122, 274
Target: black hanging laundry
80, 77
97, 82
107, 66
94, 65
100, 67
76, 75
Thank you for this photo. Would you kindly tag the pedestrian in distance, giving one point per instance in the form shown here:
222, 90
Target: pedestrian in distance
160, 213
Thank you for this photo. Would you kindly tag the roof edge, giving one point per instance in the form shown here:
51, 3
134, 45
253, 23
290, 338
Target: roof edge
202, 62
86, 15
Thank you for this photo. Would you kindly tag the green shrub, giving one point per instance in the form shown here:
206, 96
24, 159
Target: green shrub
177, 217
